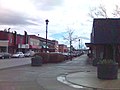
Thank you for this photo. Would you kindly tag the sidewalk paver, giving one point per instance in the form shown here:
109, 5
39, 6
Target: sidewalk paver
89, 79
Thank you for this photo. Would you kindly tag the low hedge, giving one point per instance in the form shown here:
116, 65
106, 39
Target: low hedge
45, 57
51, 57
55, 58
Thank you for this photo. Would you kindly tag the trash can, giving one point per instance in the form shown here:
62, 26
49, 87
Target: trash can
36, 61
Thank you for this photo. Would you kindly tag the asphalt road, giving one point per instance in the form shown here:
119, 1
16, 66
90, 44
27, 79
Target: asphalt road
41, 78
12, 62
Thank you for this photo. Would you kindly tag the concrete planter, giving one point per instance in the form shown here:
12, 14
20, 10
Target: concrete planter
107, 71
36, 61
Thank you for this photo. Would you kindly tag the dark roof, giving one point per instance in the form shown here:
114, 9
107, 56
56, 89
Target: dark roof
107, 23
106, 30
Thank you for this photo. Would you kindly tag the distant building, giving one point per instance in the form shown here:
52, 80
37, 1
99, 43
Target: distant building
55, 46
63, 48
52, 45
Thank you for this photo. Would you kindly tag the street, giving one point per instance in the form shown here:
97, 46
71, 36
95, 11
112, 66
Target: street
6, 63
44, 77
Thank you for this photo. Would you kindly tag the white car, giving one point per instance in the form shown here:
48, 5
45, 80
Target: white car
18, 55
29, 54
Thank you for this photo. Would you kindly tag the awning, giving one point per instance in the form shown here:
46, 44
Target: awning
4, 43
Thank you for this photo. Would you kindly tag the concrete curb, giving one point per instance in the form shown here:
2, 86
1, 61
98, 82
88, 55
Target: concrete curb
89, 80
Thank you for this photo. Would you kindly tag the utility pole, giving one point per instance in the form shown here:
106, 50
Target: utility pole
46, 33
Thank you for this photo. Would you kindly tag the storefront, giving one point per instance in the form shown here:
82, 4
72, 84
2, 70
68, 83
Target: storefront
3, 45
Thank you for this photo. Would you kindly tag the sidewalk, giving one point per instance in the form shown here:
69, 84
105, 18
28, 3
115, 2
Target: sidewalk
90, 80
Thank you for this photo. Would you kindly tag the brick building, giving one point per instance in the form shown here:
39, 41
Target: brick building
63, 48
12, 42
6, 41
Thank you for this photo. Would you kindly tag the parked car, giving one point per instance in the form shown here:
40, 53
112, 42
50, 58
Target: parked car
4, 55
18, 55
29, 53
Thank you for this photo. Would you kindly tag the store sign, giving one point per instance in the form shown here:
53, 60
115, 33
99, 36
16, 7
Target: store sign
23, 45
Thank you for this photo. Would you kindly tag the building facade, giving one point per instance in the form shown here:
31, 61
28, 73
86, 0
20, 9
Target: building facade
6, 41
54, 46
63, 48
105, 39
34, 43
12, 42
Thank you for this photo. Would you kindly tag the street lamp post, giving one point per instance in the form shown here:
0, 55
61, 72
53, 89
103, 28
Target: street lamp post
70, 49
46, 33
79, 44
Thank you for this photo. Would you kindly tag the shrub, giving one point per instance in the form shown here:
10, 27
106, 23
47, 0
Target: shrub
55, 58
106, 61
51, 57
45, 57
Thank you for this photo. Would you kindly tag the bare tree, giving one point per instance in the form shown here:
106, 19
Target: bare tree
116, 12
70, 38
69, 35
101, 11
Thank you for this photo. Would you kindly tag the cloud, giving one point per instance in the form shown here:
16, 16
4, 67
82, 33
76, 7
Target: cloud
27, 14
9, 17
47, 4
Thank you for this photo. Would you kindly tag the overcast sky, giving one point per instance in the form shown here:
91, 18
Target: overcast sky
30, 16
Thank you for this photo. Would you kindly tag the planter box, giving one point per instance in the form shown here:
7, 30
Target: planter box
36, 61
45, 57
107, 71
